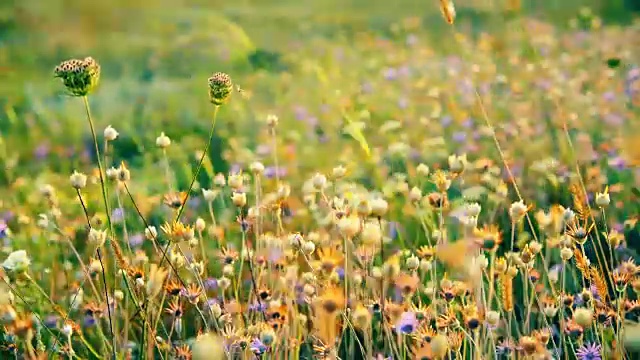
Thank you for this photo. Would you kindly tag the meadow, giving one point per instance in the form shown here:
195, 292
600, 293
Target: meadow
319, 180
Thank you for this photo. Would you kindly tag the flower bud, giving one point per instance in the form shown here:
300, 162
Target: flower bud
110, 133
78, 180
163, 141
239, 199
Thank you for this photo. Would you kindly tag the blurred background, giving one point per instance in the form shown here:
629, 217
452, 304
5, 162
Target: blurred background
157, 54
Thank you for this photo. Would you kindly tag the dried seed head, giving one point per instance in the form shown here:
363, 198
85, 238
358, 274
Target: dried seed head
80, 77
220, 88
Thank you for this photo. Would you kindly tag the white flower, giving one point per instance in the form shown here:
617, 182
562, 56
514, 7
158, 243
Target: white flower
17, 261
256, 167
209, 195
200, 224
97, 237
163, 141
78, 180
110, 133
422, 170
151, 232
319, 181
272, 120
517, 210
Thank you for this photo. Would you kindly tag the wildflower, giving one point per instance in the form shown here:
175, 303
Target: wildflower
192, 293
338, 172
110, 133
331, 300
412, 262
319, 181
492, 318
256, 167
163, 141
150, 232
518, 210
257, 347
407, 323
200, 224
80, 77
528, 344
97, 237
583, 317
407, 284
457, 163
489, 237
123, 173
17, 262
178, 231
239, 199
589, 351
78, 180
422, 170
175, 200
439, 346
272, 120
182, 352
379, 207
602, 198
566, 254
308, 247
220, 88
441, 180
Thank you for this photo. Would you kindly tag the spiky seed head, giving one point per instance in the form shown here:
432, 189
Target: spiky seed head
80, 77
220, 88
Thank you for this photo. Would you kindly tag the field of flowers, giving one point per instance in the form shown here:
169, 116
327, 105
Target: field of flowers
459, 185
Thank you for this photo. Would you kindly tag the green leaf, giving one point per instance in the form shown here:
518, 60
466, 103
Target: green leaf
613, 63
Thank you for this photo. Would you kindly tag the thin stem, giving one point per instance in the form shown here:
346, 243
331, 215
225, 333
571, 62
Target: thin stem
104, 277
85, 100
204, 154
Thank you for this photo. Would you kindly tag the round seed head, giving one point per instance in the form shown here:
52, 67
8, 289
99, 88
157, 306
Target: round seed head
220, 88
80, 77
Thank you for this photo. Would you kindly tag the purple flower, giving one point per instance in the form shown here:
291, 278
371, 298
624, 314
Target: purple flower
257, 347
459, 136
211, 284
446, 121
393, 230
41, 151
51, 321
136, 240
117, 215
617, 163
89, 321
407, 323
270, 172
390, 73
589, 352
4, 229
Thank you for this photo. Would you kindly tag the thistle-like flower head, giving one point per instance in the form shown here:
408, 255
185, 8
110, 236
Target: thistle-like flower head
80, 77
220, 88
